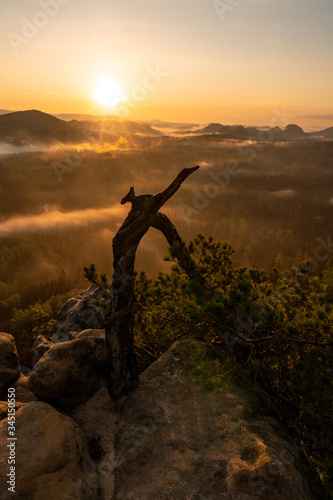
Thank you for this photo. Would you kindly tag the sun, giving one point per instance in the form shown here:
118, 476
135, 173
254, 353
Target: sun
108, 93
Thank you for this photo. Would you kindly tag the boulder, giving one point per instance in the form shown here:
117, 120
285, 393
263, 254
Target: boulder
92, 332
52, 461
41, 345
190, 433
77, 314
143, 356
9, 363
4, 408
22, 391
69, 372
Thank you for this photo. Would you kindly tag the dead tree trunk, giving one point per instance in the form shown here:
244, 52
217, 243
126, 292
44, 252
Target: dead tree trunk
123, 374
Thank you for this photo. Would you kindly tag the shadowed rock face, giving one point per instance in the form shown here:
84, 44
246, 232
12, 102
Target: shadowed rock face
22, 391
52, 459
69, 372
180, 440
9, 364
40, 347
78, 314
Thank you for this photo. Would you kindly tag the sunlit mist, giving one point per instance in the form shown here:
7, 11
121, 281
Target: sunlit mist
55, 219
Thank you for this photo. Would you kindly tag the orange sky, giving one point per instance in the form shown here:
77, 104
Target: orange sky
188, 60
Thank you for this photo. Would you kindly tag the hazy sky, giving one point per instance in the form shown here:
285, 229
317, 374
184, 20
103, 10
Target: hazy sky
186, 60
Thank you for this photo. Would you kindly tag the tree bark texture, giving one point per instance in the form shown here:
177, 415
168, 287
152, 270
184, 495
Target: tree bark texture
123, 373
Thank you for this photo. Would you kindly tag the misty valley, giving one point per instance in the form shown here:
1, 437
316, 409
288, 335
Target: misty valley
60, 207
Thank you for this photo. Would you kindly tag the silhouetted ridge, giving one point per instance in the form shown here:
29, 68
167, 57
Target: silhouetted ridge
22, 127
36, 127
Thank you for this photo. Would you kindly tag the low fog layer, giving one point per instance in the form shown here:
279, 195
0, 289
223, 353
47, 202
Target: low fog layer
54, 219
61, 207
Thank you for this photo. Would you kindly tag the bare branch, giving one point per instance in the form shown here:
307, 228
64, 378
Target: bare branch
159, 199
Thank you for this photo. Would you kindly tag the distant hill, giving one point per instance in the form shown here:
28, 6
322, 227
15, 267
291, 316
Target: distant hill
36, 127
228, 131
26, 127
327, 133
212, 128
292, 132
123, 128
114, 124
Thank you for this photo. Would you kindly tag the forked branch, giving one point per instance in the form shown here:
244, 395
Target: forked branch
123, 374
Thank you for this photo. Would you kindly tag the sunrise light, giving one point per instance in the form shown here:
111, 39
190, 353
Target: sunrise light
108, 93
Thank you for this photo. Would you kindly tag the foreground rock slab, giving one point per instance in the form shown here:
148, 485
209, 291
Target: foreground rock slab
189, 435
52, 459
99, 420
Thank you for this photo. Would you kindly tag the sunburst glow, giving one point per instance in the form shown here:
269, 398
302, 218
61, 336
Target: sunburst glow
108, 93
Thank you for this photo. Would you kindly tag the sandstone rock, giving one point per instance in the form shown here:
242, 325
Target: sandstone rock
188, 434
69, 372
41, 345
52, 459
22, 391
9, 363
4, 408
78, 314
99, 419
91, 332
144, 357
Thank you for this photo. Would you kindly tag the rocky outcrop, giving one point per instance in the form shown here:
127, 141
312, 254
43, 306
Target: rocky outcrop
144, 356
77, 314
69, 372
100, 422
52, 458
22, 391
189, 433
9, 364
40, 347
92, 333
